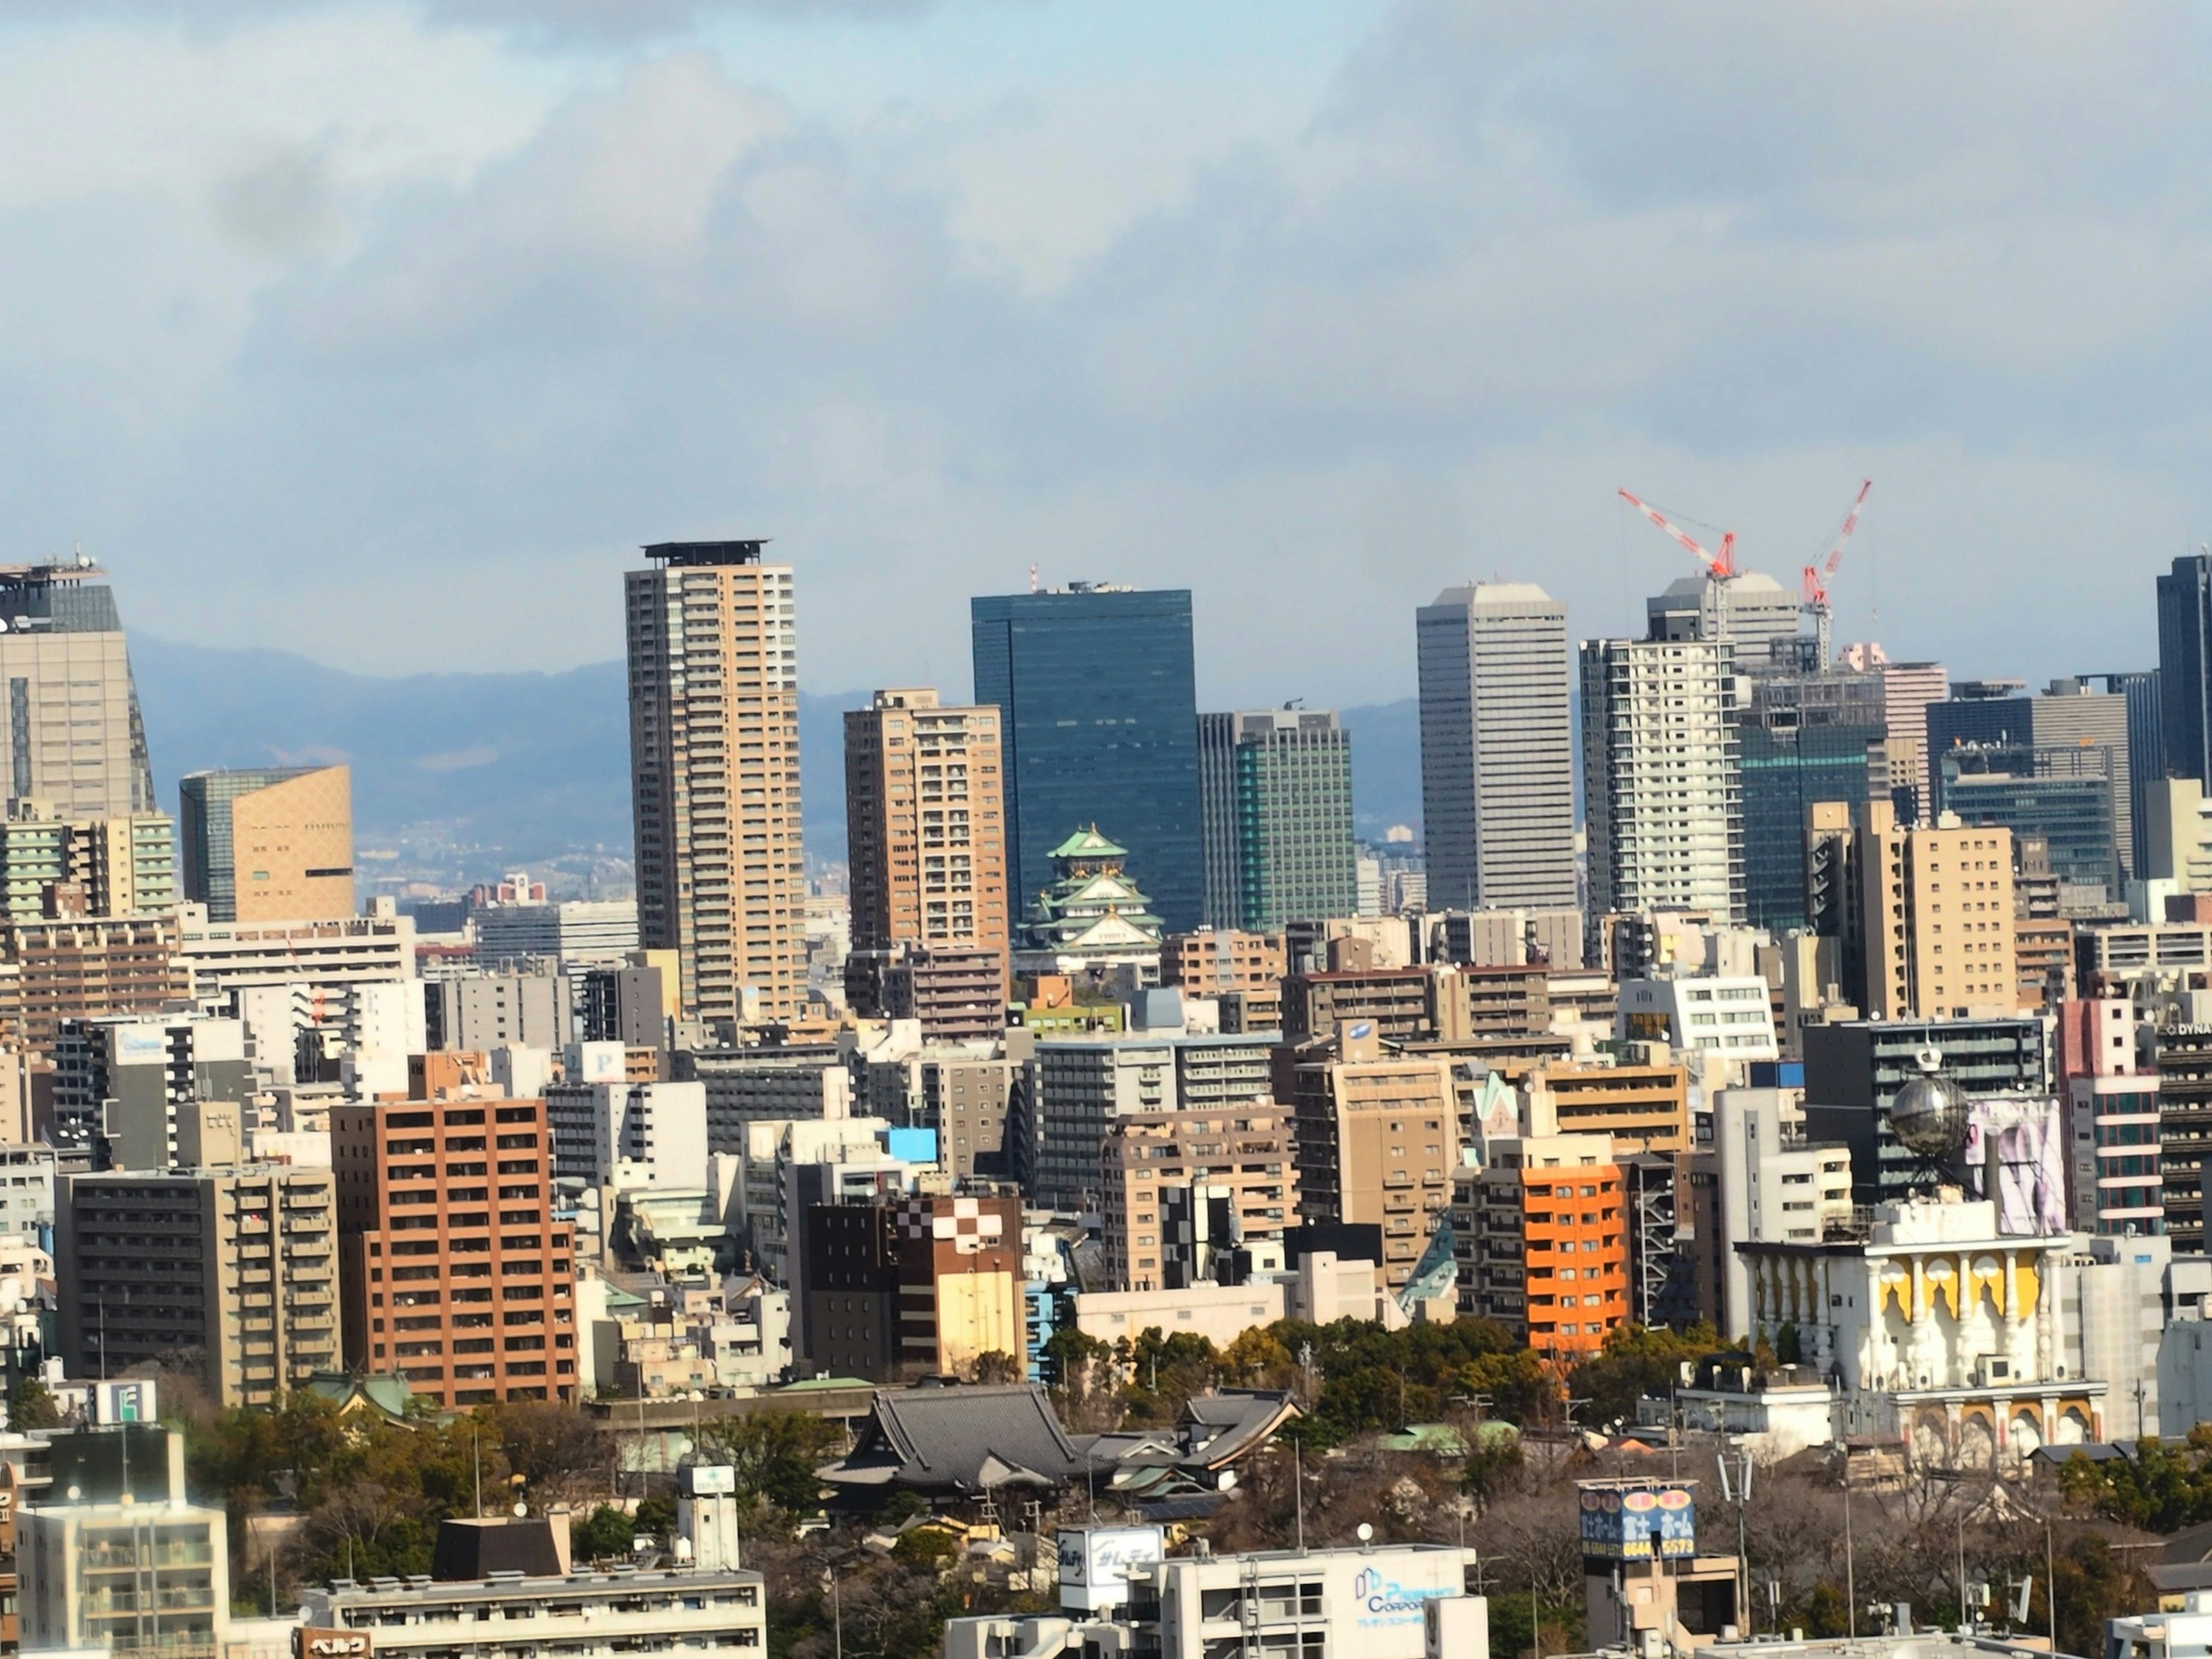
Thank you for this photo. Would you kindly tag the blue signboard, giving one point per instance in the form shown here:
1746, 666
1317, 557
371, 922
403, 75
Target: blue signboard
1638, 1521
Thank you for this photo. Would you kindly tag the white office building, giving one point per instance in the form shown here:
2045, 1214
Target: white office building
1119, 1593
629, 1135
1715, 1018
1498, 778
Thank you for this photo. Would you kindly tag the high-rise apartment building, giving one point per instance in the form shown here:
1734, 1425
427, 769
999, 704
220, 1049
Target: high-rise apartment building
73, 737
925, 817
1662, 783
924, 1285
1497, 776
107, 866
2110, 1099
1547, 1246
1159, 1170
1802, 739
70, 966
231, 1270
454, 1272
713, 744
2184, 667
1095, 686
1275, 791
1378, 1139
269, 845
1925, 914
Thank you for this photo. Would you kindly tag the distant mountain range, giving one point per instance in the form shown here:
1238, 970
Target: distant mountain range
459, 777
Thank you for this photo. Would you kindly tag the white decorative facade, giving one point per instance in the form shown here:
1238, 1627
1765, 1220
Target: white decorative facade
1940, 1335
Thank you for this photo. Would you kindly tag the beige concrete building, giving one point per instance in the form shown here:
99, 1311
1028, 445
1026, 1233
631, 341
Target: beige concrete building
1643, 1108
69, 967
924, 823
2179, 835
235, 1268
713, 707
74, 737
124, 866
270, 845
1177, 1186
1377, 1140
1926, 913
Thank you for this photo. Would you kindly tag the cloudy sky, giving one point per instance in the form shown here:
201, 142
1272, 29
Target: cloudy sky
381, 332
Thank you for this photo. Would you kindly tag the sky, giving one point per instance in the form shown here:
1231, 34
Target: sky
385, 333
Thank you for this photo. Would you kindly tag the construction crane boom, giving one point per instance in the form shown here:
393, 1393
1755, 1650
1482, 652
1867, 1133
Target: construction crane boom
1816, 576
1721, 564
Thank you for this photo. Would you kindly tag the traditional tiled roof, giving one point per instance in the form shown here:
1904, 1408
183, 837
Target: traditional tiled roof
960, 1440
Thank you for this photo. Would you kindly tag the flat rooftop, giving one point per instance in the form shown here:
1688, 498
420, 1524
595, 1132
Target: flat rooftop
687, 554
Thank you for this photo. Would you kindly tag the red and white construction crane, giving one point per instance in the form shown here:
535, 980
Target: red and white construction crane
1720, 564
1816, 576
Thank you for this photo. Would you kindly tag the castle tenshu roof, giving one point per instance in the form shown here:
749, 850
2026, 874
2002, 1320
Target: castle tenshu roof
1088, 843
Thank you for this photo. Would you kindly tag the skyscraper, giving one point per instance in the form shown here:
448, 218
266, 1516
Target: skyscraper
1802, 739
270, 845
1275, 789
1663, 789
2184, 667
1095, 686
713, 746
2069, 716
1497, 776
74, 737
924, 823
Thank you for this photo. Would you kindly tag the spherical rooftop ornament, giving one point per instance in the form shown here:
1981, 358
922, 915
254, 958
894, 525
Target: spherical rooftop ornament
1928, 1115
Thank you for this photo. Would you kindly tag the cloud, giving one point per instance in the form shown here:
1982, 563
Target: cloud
1317, 357
566, 24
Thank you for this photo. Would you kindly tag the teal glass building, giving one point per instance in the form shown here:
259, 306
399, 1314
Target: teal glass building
1275, 789
1095, 686
1803, 739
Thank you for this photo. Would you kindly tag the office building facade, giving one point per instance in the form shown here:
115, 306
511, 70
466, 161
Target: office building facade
1662, 782
2184, 667
1095, 686
269, 845
1498, 781
1275, 792
73, 738
926, 833
713, 706
1803, 739
2069, 717
2064, 798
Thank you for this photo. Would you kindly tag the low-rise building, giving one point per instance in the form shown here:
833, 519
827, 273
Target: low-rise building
483, 1599
1220, 1313
1120, 1592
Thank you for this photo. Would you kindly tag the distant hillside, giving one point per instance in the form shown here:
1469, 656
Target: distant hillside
471, 773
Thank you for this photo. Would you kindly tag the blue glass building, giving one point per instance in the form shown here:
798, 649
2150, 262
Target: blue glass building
1803, 741
1099, 724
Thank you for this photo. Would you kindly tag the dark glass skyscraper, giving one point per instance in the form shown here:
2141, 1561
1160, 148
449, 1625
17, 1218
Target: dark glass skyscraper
1098, 722
1803, 739
2184, 655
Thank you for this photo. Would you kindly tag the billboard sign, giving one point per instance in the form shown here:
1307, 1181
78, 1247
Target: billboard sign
1095, 1563
1638, 1521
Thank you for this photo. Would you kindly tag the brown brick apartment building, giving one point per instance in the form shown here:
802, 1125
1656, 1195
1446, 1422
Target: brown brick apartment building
452, 1271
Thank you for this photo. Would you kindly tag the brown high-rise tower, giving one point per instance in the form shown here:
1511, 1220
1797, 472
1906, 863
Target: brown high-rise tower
925, 824
713, 740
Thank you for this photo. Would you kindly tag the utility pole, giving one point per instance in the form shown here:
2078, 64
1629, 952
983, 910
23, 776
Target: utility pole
1851, 1569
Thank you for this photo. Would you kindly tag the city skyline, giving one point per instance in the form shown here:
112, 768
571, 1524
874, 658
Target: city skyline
915, 295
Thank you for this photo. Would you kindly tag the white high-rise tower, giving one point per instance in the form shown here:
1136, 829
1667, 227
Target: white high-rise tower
1498, 779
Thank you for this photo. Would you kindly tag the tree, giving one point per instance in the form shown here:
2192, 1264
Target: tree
553, 1447
774, 1455
1639, 1361
31, 1406
997, 1367
604, 1534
